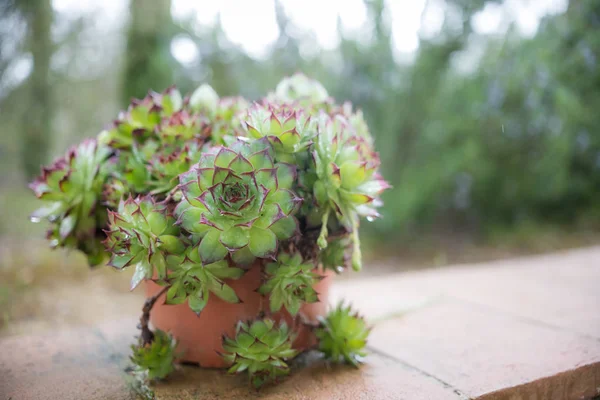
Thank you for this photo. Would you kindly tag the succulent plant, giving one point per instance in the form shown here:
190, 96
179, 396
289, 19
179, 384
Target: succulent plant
239, 202
289, 283
204, 99
142, 234
222, 115
131, 174
226, 123
343, 335
142, 119
300, 88
347, 183
261, 348
192, 191
155, 360
165, 167
180, 127
71, 190
288, 129
194, 281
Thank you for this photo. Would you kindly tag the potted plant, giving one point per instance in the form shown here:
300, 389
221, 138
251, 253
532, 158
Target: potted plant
234, 214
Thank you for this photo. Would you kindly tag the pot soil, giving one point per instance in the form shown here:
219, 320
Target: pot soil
199, 337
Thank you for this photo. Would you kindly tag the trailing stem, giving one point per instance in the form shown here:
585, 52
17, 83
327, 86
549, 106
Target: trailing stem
147, 335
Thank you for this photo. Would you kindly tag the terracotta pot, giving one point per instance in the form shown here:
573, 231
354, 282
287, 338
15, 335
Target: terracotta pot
199, 337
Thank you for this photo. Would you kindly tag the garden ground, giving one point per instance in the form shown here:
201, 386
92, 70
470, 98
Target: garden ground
519, 328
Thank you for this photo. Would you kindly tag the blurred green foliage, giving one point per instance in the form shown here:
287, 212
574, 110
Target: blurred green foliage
512, 142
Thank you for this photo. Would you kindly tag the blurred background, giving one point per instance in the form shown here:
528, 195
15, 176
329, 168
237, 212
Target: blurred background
486, 115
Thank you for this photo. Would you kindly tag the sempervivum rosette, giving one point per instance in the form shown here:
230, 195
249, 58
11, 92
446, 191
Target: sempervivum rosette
261, 349
141, 120
289, 283
347, 183
222, 116
238, 201
288, 129
300, 88
165, 166
142, 234
71, 189
343, 335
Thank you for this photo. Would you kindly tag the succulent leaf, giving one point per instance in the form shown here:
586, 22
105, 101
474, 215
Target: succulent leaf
261, 348
343, 335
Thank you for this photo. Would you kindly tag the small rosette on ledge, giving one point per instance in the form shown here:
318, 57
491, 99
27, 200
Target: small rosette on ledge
261, 349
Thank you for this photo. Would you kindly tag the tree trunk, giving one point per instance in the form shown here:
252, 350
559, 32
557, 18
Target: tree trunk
148, 62
37, 119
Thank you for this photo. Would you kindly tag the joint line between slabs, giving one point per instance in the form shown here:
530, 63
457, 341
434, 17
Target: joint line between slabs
457, 391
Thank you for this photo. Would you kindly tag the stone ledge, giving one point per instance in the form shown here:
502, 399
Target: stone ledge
89, 364
518, 329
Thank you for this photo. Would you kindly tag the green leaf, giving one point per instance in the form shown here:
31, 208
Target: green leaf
176, 294
157, 222
275, 301
290, 139
138, 276
211, 249
67, 226
240, 165
160, 265
204, 97
320, 192
224, 157
171, 244
43, 212
243, 256
235, 237
284, 198
285, 175
260, 161
222, 270
262, 242
293, 306
353, 174
119, 261
198, 301
172, 102
285, 228
223, 291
